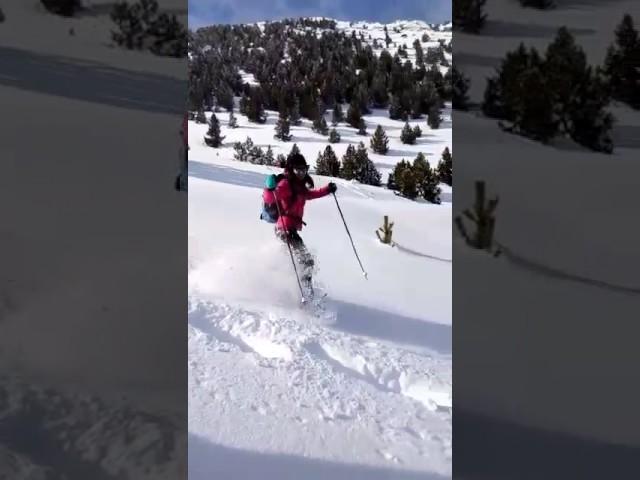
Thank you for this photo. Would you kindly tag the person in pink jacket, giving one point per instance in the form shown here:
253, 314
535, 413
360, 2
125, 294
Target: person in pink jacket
292, 193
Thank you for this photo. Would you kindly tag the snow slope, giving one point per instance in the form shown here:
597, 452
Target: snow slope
570, 238
401, 32
64, 307
363, 391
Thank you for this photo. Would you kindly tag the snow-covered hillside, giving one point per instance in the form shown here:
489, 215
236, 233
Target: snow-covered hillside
361, 391
402, 33
567, 225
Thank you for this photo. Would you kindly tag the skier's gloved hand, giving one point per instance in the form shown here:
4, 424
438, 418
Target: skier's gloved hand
332, 187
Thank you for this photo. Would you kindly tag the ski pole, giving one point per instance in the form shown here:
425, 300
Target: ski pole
349, 233
293, 262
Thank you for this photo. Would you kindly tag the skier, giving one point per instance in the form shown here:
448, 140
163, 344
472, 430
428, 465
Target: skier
292, 193
181, 179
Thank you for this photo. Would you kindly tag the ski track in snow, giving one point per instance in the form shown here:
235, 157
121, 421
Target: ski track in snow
360, 385
337, 387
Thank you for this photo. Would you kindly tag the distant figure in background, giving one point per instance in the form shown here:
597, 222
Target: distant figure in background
181, 180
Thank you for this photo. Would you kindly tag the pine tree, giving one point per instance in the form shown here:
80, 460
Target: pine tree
243, 150
233, 121
622, 64
362, 127
391, 182
337, 115
380, 141
334, 136
327, 163
200, 116
558, 94
282, 129
426, 179
459, 89
294, 150
281, 160
320, 125
534, 111
255, 155
213, 138
255, 108
396, 109
354, 116
419, 52
395, 178
379, 91
366, 171
468, 15
433, 118
420, 168
294, 114
349, 167
408, 185
429, 189
387, 38
244, 104
417, 98
407, 135
445, 167
564, 65
417, 131
268, 157
589, 123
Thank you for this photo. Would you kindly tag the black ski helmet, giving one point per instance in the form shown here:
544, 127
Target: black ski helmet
296, 161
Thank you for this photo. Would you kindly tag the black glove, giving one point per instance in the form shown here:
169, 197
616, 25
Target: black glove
332, 187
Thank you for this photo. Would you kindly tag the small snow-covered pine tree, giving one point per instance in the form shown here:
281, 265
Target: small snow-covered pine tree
426, 179
380, 141
348, 168
407, 182
334, 136
327, 163
320, 125
433, 118
407, 135
268, 157
445, 167
362, 128
622, 64
354, 116
295, 150
282, 129
337, 115
366, 171
200, 116
213, 137
294, 114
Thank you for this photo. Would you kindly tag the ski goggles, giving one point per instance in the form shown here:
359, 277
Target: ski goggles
300, 171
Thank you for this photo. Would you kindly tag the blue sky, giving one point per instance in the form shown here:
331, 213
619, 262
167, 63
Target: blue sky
208, 12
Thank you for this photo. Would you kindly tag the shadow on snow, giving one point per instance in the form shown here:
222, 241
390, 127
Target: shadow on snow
208, 460
387, 326
91, 81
